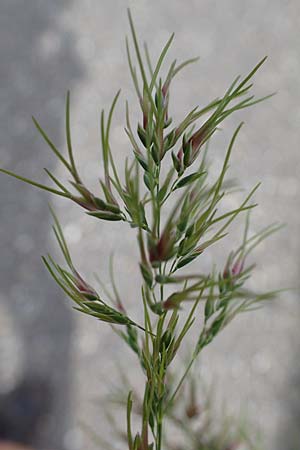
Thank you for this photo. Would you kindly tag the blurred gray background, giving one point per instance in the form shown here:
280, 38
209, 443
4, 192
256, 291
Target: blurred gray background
50, 46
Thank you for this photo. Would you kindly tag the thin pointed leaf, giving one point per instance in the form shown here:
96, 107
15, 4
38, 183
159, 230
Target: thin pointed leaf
105, 215
57, 182
140, 61
188, 179
184, 64
237, 212
34, 183
69, 141
248, 77
148, 59
51, 145
160, 61
234, 211
133, 71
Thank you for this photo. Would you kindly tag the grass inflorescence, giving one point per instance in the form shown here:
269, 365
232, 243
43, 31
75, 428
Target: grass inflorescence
168, 164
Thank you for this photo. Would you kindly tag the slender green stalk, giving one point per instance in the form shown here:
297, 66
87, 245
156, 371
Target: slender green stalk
169, 197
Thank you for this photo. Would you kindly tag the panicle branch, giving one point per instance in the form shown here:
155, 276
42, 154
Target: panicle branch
168, 166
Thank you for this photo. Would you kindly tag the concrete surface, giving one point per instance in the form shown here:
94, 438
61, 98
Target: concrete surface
47, 47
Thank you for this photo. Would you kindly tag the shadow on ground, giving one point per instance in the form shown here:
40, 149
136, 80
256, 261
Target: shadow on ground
288, 435
38, 65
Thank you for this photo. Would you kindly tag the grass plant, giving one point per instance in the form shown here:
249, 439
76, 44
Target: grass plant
168, 166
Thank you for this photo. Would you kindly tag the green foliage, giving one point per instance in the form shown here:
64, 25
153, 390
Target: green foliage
194, 224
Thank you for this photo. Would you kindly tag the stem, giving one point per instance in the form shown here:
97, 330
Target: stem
180, 382
159, 433
159, 417
160, 412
